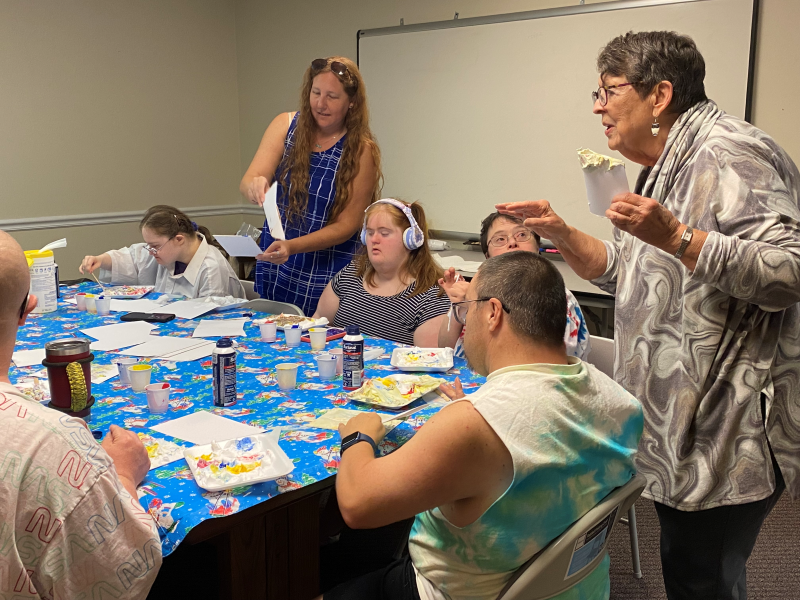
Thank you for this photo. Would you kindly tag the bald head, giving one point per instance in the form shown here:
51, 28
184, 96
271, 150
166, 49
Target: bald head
14, 280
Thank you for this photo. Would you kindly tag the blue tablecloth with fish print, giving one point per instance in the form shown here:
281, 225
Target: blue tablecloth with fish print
170, 492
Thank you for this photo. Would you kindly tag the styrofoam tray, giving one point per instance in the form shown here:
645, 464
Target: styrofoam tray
127, 292
281, 464
441, 359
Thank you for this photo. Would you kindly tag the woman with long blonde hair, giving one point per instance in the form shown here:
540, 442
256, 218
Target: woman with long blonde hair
390, 290
327, 165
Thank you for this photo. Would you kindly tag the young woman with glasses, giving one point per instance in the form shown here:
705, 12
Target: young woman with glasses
178, 256
327, 164
501, 234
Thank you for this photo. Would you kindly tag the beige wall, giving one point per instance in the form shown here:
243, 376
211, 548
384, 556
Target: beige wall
277, 40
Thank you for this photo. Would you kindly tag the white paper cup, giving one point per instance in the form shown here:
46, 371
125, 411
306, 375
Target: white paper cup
286, 374
293, 336
602, 185
157, 397
91, 306
80, 301
140, 376
269, 331
122, 366
326, 366
318, 337
103, 306
339, 354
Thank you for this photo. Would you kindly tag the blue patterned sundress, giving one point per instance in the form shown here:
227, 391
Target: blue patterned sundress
302, 279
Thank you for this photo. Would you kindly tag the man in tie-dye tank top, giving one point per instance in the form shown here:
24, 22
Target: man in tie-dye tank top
497, 475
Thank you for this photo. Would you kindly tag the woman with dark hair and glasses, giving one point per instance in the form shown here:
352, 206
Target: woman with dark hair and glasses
501, 234
327, 165
178, 256
705, 267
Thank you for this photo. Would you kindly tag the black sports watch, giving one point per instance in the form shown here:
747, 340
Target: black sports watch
354, 438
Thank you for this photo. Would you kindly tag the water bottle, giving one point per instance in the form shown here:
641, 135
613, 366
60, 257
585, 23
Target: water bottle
353, 358
223, 361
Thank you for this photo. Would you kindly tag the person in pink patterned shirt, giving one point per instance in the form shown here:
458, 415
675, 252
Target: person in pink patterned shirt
71, 525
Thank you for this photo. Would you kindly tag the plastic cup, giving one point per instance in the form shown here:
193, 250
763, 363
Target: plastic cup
293, 336
339, 354
326, 366
269, 331
80, 301
286, 373
318, 336
140, 376
602, 185
91, 304
157, 397
103, 306
123, 364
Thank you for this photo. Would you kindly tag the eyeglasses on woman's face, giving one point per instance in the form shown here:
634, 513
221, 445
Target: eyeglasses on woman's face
501, 240
154, 250
338, 68
460, 309
602, 92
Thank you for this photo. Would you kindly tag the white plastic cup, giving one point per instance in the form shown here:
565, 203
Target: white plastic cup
269, 331
123, 364
91, 304
103, 306
80, 301
140, 376
339, 354
157, 397
326, 366
286, 374
292, 336
602, 185
318, 336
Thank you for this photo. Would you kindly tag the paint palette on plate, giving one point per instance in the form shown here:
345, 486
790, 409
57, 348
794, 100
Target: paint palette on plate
129, 292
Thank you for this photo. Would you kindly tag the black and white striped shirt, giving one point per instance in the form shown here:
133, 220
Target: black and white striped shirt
393, 318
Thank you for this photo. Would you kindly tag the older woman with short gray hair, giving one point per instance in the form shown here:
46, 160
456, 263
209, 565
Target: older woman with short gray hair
705, 268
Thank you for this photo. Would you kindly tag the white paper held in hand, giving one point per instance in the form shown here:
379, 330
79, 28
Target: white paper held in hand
238, 245
273, 214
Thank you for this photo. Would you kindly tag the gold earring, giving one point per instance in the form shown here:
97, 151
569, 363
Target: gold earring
655, 127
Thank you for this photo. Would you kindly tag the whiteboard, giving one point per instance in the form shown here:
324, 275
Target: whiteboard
479, 111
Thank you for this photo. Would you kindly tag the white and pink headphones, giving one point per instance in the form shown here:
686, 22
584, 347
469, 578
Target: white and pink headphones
413, 237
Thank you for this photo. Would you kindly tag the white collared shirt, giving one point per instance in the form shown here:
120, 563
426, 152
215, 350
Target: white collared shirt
207, 274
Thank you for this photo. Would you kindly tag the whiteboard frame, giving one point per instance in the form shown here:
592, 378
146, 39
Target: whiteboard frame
546, 13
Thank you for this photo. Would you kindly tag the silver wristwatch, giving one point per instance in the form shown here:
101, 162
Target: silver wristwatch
685, 239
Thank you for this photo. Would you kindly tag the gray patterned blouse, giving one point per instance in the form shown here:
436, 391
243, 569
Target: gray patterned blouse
699, 349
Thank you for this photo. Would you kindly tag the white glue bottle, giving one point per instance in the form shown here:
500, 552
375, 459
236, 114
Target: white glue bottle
352, 358
223, 363
44, 285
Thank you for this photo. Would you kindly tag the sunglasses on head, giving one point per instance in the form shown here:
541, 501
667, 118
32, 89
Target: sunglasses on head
338, 68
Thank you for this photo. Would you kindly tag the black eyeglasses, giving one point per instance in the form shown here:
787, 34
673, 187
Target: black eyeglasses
338, 68
460, 309
24, 306
602, 92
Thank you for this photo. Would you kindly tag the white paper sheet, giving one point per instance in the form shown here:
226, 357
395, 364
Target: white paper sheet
458, 263
187, 309
28, 358
238, 245
164, 346
273, 214
203, 427
195, 353
119, 335
219, 327
102, 373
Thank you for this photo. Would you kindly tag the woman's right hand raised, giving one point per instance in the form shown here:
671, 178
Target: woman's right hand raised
90, 263
539, 217
257, 190
454, 285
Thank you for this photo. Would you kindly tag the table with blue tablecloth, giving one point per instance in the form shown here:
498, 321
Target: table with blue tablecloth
254, 518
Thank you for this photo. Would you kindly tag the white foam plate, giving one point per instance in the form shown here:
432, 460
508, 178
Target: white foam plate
444, 360
281, 465
129, 292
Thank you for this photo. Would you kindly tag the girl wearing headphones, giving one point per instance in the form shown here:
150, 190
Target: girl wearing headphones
390, 290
